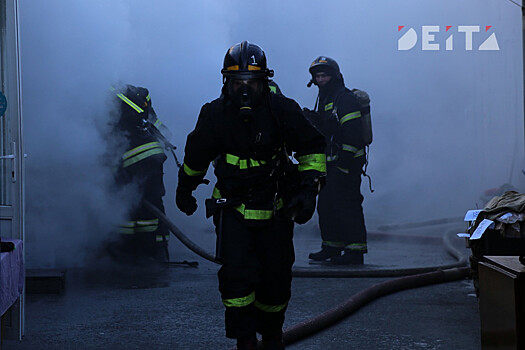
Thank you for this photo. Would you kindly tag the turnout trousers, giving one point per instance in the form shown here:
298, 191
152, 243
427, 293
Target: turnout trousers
256, 273
144, 236
340, 210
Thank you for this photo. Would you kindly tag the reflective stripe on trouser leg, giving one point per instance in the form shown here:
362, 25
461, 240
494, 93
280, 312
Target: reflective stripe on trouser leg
340, 208
276, 256
254, 257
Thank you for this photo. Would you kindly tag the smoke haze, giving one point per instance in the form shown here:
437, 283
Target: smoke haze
448, 125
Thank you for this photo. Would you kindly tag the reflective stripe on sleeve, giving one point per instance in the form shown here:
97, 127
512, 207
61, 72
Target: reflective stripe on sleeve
189, 171
328, 106
315, 161
350, 116
357, 152
239, 302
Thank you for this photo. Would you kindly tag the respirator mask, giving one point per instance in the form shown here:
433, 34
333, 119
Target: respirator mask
245, 94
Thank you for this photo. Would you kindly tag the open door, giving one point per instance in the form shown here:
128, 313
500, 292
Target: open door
11, 148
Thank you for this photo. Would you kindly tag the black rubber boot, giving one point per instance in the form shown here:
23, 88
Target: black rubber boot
325, 253
273, 342
348, 258
247, 343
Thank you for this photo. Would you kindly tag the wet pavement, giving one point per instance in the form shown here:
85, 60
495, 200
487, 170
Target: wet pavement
180, 308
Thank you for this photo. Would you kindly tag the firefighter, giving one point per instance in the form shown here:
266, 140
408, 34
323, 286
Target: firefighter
247, 133
142, 238
340, 210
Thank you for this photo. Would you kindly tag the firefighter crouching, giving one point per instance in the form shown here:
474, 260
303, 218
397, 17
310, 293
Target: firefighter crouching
142, 238
246, 133
338, 118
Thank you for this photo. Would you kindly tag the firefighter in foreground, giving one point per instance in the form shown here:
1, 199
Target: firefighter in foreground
247, 133
142, 238
338, 118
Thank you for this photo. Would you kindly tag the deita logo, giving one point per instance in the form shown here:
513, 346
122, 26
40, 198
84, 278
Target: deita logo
3, 104
432, 38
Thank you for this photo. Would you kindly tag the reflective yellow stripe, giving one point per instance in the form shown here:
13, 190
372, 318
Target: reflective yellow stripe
346, 171
252, 214
149, 228
189, 171
349, 148
328, 106
273, 89
148, 222
356, 246
147, 225
139, 149
250, 67
333, 244
350, 116
243, 163
269, 308
359, 153
148, 98
157, 123
142, 156
315, 161
130, 103
255, 214
160, 238
126, 230
239, 302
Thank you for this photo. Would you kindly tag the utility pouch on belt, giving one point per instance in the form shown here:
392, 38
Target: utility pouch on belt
213, 205
289, 181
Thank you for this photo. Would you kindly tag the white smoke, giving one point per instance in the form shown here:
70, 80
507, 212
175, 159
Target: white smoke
447, 124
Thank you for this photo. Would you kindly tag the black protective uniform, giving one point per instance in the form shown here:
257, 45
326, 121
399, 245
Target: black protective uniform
340, 209
255, 247
142, 236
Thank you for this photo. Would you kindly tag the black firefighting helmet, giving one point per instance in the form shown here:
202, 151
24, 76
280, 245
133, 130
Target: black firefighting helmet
245, 61
327, 65
135, 99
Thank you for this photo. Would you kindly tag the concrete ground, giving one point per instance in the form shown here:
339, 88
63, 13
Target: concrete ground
180, 307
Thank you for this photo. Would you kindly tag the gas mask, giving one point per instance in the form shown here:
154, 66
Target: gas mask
245, 94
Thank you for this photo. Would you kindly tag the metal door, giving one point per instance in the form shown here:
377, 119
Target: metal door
11, 147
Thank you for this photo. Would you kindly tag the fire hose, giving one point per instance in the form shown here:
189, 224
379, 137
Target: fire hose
411, 278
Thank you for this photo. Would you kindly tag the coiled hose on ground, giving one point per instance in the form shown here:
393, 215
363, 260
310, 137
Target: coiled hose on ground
412, 278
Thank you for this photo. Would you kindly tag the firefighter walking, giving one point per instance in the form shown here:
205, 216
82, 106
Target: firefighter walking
248, 133
142, 238
338, 118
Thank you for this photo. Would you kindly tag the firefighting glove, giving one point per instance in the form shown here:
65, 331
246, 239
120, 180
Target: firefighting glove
302, 205
185, 201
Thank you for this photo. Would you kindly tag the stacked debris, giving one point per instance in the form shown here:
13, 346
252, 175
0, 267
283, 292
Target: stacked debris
498, 229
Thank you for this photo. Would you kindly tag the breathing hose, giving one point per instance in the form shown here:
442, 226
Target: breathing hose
411, 278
